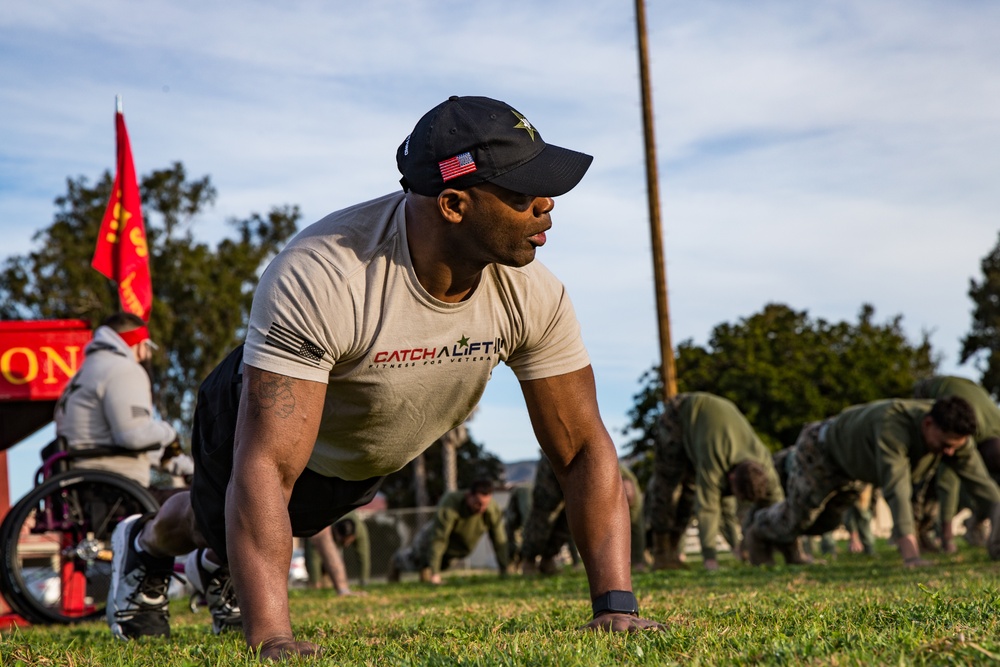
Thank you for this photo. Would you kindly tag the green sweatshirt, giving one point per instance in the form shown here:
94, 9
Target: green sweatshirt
987, 426
457, 530
882, 443
717, 437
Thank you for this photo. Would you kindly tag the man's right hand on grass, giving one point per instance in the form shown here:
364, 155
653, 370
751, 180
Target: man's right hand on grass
282, 648
622, 623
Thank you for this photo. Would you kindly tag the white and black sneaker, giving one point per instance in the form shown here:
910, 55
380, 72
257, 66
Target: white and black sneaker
137, 597
217, 588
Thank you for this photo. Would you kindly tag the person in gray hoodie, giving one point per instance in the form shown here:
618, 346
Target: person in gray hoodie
110, 402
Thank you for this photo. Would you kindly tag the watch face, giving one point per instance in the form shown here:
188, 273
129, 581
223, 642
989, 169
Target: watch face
622, 601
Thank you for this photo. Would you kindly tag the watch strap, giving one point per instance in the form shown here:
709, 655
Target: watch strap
616, 602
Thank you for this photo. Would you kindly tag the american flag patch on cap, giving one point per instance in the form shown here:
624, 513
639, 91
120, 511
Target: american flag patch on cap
460, 165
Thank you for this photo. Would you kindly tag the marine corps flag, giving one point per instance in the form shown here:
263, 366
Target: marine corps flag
122, 253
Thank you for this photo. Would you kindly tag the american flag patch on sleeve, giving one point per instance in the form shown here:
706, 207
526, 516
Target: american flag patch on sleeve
285, 339
460, 165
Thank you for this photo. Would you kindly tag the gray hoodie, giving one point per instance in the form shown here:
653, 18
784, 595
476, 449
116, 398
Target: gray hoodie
109, 402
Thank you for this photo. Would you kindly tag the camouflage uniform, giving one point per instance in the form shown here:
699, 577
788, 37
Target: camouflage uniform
546, 529
817, 492
879, 443
701, 437
670, 508
856, 517
514, 518
993, 542
636, 517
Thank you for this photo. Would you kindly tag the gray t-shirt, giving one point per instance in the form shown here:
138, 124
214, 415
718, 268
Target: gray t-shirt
341, 304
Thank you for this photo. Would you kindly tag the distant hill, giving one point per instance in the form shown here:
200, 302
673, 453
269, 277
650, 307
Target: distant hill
521, 472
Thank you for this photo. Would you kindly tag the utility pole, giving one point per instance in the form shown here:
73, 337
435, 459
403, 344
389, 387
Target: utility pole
668, 373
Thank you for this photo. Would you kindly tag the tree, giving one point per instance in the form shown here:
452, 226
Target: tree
784, 369
983, 342
473, 462
202, 295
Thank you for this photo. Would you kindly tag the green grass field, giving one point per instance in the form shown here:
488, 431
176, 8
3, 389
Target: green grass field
855, 610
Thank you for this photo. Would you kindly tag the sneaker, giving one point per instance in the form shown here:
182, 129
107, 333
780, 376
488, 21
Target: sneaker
217, 588
137, 594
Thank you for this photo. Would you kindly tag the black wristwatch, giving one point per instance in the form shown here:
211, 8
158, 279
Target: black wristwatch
616, 602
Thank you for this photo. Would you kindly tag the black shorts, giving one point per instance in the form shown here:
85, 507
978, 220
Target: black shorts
317, 501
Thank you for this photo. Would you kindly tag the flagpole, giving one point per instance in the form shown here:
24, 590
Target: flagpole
120, 158
668, 373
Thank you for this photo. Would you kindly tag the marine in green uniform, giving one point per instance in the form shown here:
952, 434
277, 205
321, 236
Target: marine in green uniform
891, 443
325, 553
461, 520
546, 530
351, 535
705, 451
514, 518
949, 494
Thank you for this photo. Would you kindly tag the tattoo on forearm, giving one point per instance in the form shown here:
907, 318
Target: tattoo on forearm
272, 393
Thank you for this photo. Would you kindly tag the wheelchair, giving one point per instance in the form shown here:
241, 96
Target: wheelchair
56, 540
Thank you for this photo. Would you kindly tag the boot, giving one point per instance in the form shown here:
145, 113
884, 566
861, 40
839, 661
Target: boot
928, 543
759, 551
975, 532
392, 576
666, 552
549, 566
993, 542
793, 553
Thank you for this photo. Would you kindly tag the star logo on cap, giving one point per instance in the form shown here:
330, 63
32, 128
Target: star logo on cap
523, 124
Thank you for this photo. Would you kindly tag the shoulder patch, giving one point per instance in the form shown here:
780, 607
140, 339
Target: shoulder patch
285, 339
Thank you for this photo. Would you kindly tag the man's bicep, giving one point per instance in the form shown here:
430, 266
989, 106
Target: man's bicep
564, 413
278, 421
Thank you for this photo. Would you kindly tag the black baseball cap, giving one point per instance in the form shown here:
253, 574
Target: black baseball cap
465, 141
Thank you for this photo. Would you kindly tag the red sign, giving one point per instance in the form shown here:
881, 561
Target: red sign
38, 357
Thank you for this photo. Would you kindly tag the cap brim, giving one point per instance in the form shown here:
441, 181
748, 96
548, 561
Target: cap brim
553, 172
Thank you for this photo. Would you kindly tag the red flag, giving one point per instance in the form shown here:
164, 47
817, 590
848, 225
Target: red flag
122, 253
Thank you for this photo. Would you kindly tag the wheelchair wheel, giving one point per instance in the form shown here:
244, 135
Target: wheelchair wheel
56, 544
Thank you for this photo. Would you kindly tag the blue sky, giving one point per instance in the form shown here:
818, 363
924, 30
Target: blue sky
821, 154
